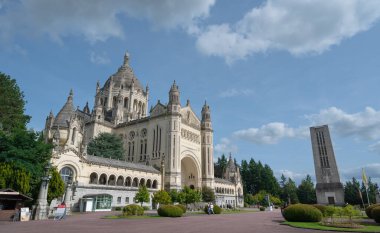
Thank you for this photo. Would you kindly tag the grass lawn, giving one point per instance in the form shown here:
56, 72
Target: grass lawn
317, 226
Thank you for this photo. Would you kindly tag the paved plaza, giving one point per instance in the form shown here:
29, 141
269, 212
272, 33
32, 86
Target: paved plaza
93, 223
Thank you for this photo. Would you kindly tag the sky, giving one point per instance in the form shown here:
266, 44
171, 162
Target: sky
268, 69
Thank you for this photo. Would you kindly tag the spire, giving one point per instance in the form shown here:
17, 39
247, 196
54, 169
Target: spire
126, 59
71, 94
97, 86
51, 115
86, 109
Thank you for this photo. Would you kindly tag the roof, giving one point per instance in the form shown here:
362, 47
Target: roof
120, 163
10, 194
223, 181
64, 115
124, 76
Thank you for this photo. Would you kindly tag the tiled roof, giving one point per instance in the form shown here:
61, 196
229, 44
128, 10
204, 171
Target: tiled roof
223, 181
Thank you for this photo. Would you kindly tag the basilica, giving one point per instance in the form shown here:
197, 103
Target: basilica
166, 147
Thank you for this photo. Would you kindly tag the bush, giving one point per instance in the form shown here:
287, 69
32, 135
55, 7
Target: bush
321, 208
262, 208
118, 208
169, 211
146, 208
133, 209
368, 210
375, 213
182, 207
216, 209
302, 213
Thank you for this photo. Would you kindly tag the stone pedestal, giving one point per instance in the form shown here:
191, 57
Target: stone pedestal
68, 195
42, 205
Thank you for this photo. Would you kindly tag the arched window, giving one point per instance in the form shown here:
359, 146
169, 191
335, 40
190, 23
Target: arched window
128, 181
112, 180
149, 183
142, 182
135, 182
154, 184
73, 135
103, 179
66, 174
93, 178
120, 181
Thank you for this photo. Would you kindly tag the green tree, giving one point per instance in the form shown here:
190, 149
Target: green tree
208, 194
106, 145
56, 185
372, 190
352, 192
306, 191
12, 105
142, 195
15, 178
174, 195
289, 192
162, 197
220, 166
189, 196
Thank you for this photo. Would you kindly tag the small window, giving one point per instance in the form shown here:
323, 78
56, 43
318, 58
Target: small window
127, 200
118, 200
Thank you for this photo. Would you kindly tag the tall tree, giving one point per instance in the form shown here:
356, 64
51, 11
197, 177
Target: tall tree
289, 192
107, 145
352, 192
220, 166
12, 105
306, 191
56, 185
208, 194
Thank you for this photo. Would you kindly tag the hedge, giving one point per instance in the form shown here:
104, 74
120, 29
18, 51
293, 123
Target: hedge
169, 211
375, 213
321, 208
133, 209
302, 213
182, 207
216, 209
368, 210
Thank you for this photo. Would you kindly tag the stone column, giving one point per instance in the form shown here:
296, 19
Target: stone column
42, 211
163, 173
68, 195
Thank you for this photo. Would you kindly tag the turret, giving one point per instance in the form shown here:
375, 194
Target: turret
86, 109
174, 105
48, 125
207, 147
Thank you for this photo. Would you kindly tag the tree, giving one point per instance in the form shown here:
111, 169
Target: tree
220, 166
189, 196
15, 178
306, 191
208, 194
106, 145
162, 197
12, 105
142, 195
174, 195
351, 192
56, 185
372, 190
24, 150
289, 192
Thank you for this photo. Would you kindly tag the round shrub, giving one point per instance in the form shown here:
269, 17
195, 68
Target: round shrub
321, 208
133, 209
169, 211
375, 213
216, 209
182, 207
262, 208
302, 213
368, 210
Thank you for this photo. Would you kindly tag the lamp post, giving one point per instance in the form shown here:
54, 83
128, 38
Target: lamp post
42, 207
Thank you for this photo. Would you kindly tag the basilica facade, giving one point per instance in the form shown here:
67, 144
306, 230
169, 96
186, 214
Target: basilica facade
167, 147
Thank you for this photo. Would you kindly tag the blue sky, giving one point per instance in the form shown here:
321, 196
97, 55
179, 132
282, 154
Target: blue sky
269, 69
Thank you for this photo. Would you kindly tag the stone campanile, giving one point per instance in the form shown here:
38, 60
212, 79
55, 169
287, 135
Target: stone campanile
329, 189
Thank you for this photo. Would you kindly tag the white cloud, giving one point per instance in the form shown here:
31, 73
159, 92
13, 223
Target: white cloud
299, 27
100, 59
297, 177
270, 133
225, 146
362, 125
235, 92
371, 170
95, 20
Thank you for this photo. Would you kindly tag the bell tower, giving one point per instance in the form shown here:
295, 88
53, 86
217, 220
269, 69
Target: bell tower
207, 147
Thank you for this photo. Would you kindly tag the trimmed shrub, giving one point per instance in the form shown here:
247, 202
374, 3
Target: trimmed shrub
321, 208
375, 213
368, 210
146, 207
117, 208
216, 209
133, 209
169, 211
302, 213
262, 208
182, 207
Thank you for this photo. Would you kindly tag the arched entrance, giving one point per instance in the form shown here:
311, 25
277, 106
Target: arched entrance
190, 175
